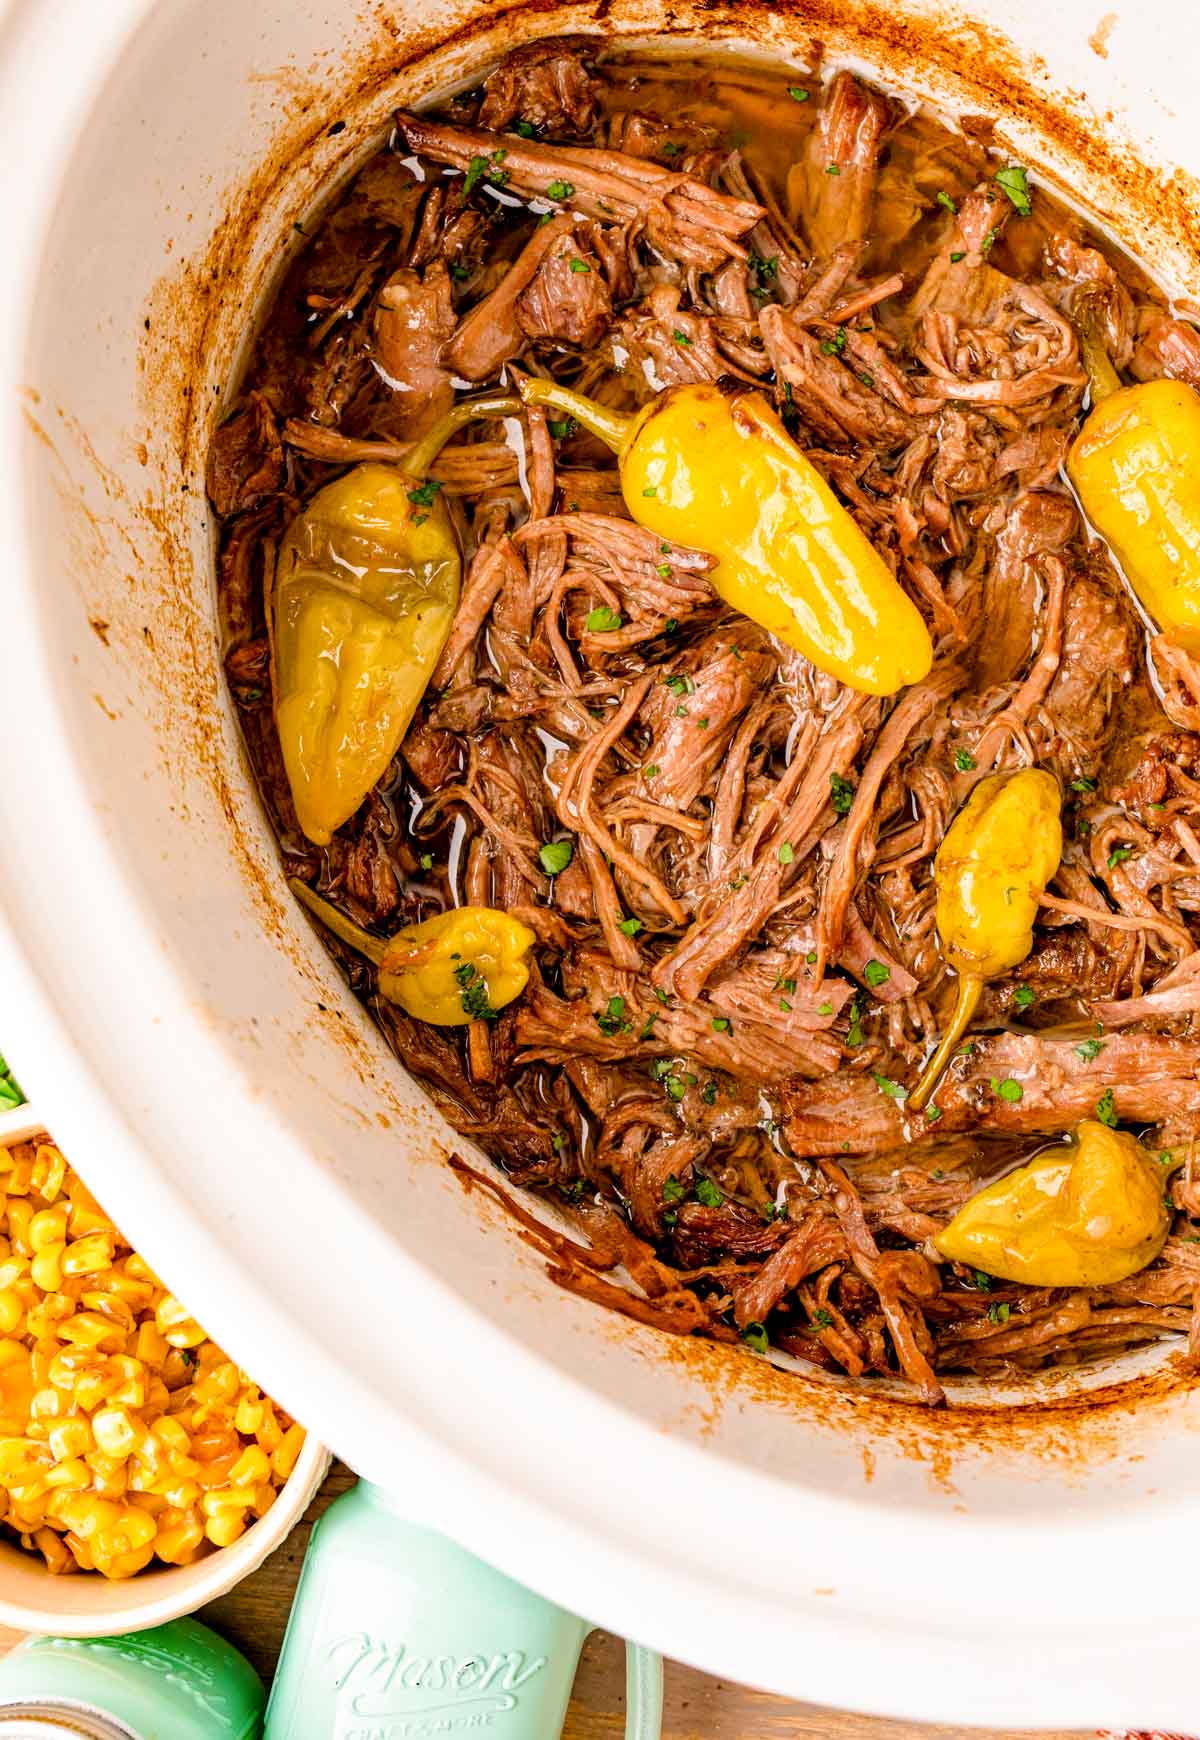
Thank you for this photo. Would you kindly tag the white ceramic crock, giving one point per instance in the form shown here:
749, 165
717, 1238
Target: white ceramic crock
1021, 1565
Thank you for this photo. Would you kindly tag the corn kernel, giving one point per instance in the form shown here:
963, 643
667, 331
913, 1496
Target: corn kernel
151, 1346
12, 1311
251, 1468
180, 1533
87, 1329
48, 1172
285, 1458
48, 1227
87, 1256
177, 1324
46, 1268
226, 1528
55, 1551
70, 1475
117, 1431
264, 1497
227, 1498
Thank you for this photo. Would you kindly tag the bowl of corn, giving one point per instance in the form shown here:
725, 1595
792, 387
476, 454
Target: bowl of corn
142, 1472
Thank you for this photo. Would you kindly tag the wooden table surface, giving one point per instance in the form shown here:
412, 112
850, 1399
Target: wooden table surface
698, 1707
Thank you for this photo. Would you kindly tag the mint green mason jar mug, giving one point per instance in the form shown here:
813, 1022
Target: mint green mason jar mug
398, 1634
179, 1681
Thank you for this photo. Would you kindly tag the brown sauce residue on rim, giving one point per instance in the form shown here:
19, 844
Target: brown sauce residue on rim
195, 314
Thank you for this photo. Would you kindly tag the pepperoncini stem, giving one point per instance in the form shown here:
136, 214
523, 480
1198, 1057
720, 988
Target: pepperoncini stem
612, 427
1102, 376
970, 990
373, 947
421, 456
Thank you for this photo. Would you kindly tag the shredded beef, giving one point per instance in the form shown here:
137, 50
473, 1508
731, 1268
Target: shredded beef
738, 974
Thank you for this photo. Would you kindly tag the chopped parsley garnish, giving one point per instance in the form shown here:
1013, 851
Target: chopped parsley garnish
562, 428
603, 620
836, 345
964, 761
1008, 1089
708, 1093
983, 1282
985, 246
648, 1030
670, 1220
708, 1195
876, 974
651, 770
841, 794
945, 199
427, 860
824, 1008
1089, 1049
613, 1020
1106, 1111
663, 570
673, 1190
578, 265
797, 93
555, 855
680, 337
560, 190
476, 170
650, 491
785, 1005
1083, 784
1118, 855
722, 1024
955, 258
854, 1033
473, 990
525, 129
832, 169
894, 1090
822, 1319
1013, 179
423, 495
998, 1312
755, 1336
1023, 997
458, 272
630, 927
932, 1114
680, 685
787, 852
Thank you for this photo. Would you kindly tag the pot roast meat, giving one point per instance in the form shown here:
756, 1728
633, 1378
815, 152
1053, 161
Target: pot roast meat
737, 974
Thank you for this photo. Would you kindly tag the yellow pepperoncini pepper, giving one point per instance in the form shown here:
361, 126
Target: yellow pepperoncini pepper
1135, 466
1085, 1215
464, 965
998, 855
720, 473
365, 588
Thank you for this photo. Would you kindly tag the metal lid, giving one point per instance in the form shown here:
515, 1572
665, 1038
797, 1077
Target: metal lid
59, 1721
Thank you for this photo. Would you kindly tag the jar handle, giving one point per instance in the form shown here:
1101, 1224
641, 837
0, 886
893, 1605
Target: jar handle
643, 1693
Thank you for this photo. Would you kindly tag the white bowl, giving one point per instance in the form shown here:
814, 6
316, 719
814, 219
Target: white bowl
203, 1051
85, 1604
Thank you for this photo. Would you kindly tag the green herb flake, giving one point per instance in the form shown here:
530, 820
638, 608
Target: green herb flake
681, 684
833, 169
787, 852
1014, 180
785, 1005
680, 337
560, 190
603, 620
1118, 855
822, 1319
755, 1336
673, 1190
841, 794
630, 927
932, 1114
648, 1030
670, 625
825, 1008
663, 570
708, 1195
473, 992
1089, 1049
876, 974
555, 855
562, 428
893, 1090
1023, 997
651, 771
525, 129
798, 94
708, 1093
578, 265
945, 199
998, 1311
955, 258
1083, 784
836, 345
1008, 1089
476, 170
722, 1024
985, 246
650, 491
1106, 1111
983, 1283
427, 860
423, 495
964, 761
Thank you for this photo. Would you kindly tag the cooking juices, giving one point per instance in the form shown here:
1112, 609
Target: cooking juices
659, 737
